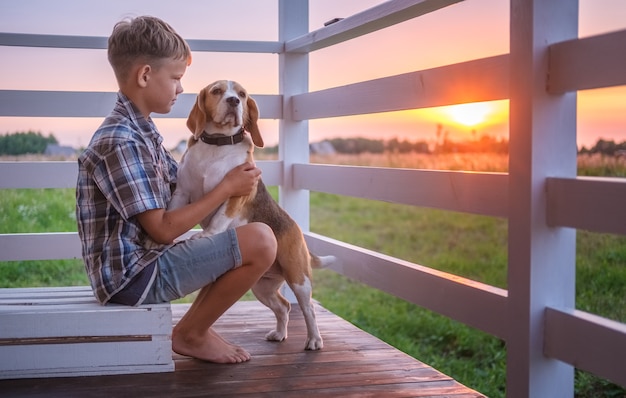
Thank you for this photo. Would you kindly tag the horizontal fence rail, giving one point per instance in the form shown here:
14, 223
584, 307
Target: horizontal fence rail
590, 203
473, 81
63, 174
592, 62
30, 103
484, 306
100, 43
38, 175
468, 192
368, 21
40, 246
586, 341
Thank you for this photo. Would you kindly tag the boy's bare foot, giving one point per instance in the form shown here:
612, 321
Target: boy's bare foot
211, 347
215, 334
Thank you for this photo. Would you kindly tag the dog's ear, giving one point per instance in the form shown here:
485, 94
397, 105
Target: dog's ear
250, 124
197, 116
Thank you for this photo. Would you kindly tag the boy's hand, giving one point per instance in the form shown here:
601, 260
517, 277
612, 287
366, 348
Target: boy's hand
165, 226
241, 180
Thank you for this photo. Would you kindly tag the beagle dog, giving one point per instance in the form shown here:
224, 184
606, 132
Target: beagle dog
223, 122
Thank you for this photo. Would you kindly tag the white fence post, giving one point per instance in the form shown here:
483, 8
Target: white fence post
542, 259
293, 135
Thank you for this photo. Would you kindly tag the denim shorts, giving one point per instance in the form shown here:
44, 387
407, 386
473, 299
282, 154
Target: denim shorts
192, 264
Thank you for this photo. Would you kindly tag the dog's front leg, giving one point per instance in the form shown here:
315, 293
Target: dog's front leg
303, 295
267, 292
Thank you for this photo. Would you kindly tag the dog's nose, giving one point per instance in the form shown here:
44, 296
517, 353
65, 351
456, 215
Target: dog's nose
232, 101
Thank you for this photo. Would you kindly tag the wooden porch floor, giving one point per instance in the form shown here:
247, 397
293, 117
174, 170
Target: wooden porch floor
352, 364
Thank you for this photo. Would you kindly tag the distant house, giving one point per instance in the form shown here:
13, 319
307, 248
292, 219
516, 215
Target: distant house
55, 150
322, 148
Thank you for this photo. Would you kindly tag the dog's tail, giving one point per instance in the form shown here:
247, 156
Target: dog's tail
322, 261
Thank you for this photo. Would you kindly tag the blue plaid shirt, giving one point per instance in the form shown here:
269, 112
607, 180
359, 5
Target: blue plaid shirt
123, 172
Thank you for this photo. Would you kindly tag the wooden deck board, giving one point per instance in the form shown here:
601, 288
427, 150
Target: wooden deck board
352, 364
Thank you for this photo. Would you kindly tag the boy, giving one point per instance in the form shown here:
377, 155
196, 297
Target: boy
125, 182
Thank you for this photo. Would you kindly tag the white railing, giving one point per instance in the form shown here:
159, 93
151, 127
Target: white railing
541, 197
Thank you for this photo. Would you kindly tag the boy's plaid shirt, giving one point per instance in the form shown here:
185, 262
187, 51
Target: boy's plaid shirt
123, 172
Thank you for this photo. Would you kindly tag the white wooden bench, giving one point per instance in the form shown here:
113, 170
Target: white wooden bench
64, 331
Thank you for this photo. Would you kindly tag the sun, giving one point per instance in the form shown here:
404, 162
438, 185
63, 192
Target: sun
468, 115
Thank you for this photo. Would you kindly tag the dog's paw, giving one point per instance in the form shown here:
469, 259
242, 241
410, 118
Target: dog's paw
275, 335
314, 344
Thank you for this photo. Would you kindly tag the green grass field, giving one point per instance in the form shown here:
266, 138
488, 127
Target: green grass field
471, 246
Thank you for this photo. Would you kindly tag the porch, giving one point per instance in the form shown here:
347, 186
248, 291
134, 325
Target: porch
352, 363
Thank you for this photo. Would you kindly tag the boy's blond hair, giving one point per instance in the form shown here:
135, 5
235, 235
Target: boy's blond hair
144, 39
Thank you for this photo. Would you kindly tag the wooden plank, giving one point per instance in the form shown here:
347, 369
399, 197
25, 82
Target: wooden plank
38, 174
30, 296
475, 193
27, 313
53, 41
75, 373
473, 81
32, 103
100, 43
591, 203
40, 246
101, 321
368, 21
237, 46
586, 341
45, 291
592, 62
41, 358
63, 174
483, 307
11, 304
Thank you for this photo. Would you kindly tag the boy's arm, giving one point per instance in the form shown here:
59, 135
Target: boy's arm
164, 226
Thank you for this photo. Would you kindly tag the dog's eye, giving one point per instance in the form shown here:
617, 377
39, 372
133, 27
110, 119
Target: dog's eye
217, 91
242, 94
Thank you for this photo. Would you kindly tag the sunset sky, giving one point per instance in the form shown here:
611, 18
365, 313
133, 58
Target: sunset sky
461, 32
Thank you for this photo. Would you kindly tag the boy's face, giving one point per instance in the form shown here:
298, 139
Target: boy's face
163, 85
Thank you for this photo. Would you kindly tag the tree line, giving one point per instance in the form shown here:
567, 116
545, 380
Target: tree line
605, 147
394, 145
31, 142
483, 144
22, 143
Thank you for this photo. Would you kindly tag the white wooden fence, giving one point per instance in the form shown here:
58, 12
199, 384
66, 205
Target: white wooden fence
542, 198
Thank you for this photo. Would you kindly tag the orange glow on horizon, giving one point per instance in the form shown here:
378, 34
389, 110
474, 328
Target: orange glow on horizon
468, 117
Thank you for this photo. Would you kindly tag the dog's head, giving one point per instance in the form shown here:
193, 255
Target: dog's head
223, 107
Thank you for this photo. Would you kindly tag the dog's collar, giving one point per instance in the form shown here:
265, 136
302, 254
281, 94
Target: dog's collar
220, 140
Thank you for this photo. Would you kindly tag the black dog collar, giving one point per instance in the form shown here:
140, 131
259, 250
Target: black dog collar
220, 140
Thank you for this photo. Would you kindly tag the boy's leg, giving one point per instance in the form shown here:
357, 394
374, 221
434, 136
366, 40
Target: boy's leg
193, 335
